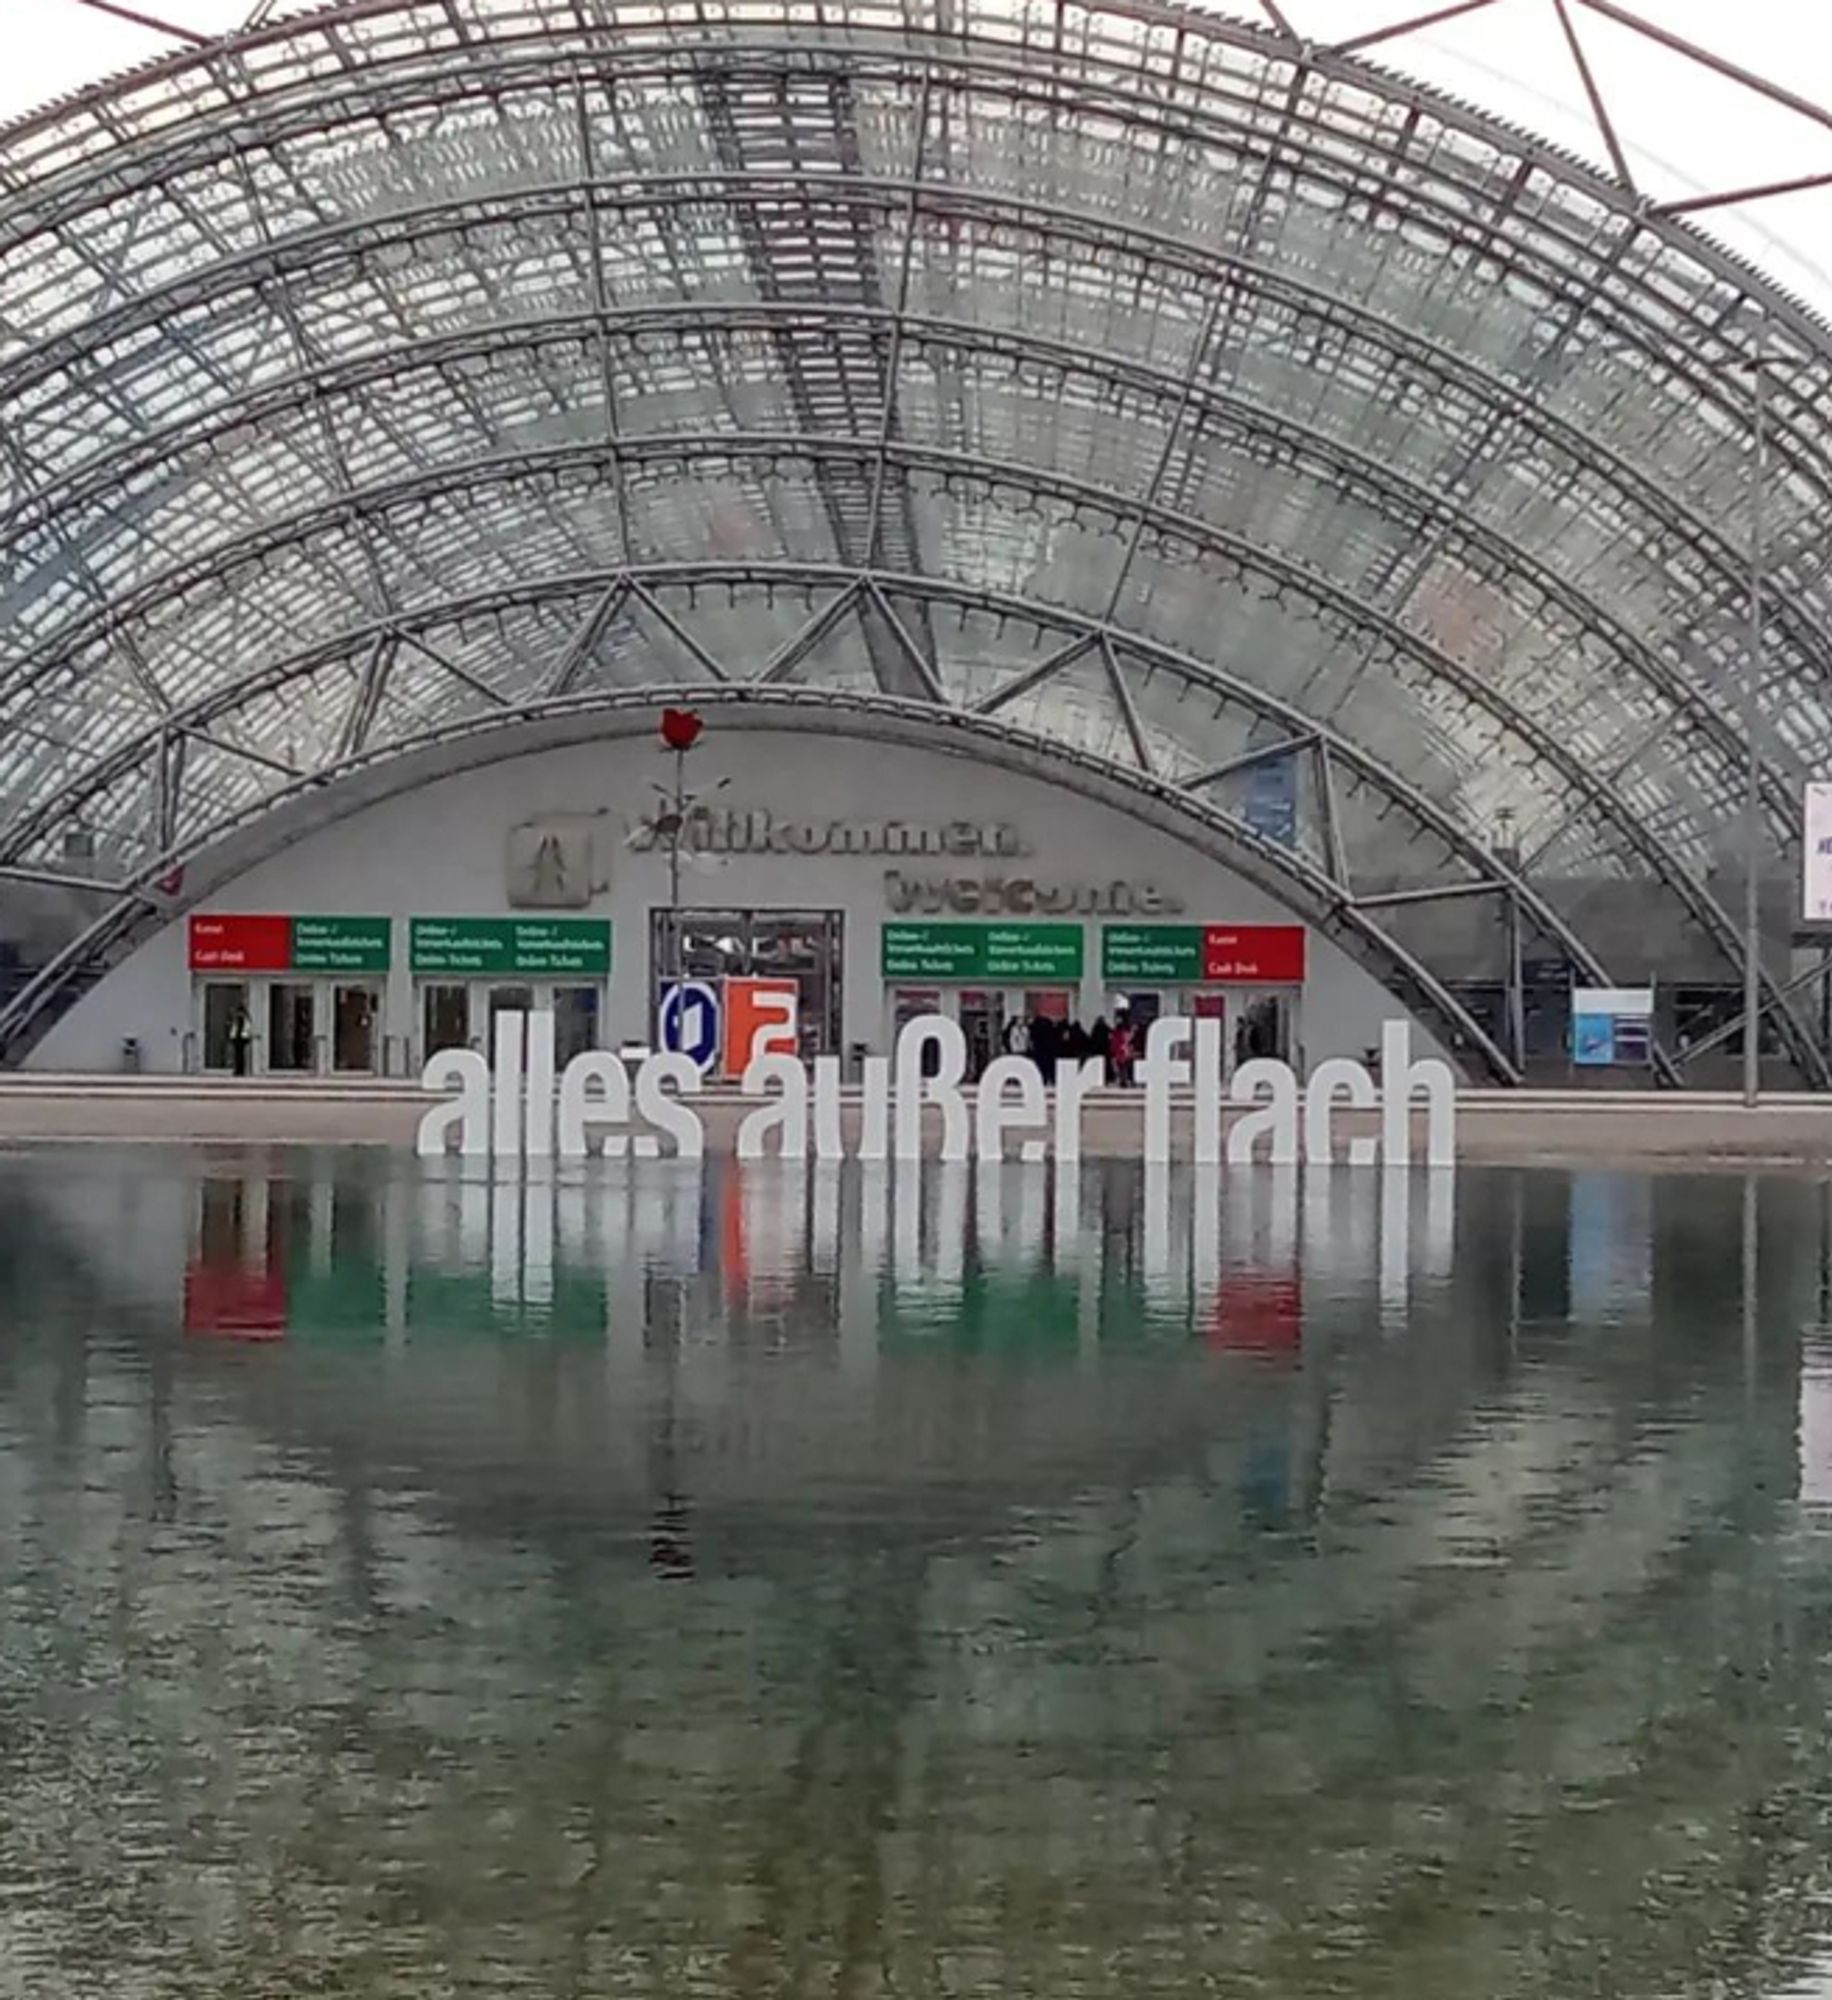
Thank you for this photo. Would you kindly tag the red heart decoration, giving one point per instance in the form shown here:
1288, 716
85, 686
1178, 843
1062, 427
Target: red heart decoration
680, 728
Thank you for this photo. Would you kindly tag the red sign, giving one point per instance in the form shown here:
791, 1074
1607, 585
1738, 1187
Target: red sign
241, 944
760, 1019
1254, 954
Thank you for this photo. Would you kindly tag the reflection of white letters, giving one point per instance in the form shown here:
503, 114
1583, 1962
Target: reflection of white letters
1029, 1110
666, 1113
1161, 1071
469, 1110
914, 1090
1336, 1077
1400, 1077
787, 1117
1279, 1118
579, 1107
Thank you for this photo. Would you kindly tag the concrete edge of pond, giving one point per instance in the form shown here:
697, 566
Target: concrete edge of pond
1550, 1129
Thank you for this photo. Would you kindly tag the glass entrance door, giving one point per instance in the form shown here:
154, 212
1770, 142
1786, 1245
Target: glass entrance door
228, 1033
575, 1022
507, 1000
355, 1015
292, 1044
445, 1017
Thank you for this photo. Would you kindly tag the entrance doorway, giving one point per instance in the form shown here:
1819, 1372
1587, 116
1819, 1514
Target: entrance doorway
356, 1013
292, 1046
461, 1014
804, 945
228, 1032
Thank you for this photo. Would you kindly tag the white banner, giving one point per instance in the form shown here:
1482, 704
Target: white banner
1816, 856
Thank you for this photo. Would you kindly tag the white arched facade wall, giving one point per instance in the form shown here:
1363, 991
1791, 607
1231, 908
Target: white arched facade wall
440, 850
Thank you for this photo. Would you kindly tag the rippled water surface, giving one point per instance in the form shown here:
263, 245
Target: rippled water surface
685, 1583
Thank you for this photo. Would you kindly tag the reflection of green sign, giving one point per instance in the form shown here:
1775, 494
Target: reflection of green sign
498, 945
982, 951
342, 944
1170, 954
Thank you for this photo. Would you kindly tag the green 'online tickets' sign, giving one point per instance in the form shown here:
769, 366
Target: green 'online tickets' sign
531, 947
968, 952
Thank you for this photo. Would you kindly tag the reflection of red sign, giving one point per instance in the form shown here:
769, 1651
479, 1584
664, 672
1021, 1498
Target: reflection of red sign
241, 944
1256, 954
234, 1300
1256, 1313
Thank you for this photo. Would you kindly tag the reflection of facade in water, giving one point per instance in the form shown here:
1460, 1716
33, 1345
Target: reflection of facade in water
1525, 1674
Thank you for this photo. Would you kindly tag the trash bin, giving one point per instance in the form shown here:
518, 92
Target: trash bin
130, 1055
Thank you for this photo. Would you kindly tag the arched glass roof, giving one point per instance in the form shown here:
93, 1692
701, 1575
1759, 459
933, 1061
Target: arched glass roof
1209, 403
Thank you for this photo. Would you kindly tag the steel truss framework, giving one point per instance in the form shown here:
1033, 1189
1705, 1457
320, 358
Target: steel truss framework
1359, 475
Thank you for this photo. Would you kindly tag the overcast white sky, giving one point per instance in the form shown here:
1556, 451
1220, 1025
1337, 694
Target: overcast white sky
1684, 129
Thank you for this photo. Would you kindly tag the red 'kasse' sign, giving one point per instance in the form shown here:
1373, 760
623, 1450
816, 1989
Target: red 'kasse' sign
241, 944
1266, 954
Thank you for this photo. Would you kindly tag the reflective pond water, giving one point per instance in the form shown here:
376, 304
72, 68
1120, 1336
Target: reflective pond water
682, 1582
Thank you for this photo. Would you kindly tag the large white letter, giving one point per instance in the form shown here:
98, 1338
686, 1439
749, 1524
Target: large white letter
1339, 1076
665, 1113
1279, 1118
1073, 1082
1400, 1077
538, 1124
469, 1110
828, 1144
1029, 1112
1208, 1091
1162, 1069
787, 1117
943, 1088
578, 1106
506, 1128
874, 1107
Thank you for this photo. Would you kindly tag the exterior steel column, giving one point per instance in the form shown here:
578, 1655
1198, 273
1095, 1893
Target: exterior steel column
1752, 722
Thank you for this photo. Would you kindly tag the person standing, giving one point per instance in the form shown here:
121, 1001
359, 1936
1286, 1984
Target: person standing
1121, 1050
1100, 1043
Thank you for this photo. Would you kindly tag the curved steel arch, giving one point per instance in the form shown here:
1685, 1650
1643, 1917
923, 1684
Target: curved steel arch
854, 217
320, 385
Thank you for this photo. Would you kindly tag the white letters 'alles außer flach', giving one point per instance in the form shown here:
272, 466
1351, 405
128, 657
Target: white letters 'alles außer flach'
518, 1107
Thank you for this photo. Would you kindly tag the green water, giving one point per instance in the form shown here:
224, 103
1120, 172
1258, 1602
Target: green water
684, 1584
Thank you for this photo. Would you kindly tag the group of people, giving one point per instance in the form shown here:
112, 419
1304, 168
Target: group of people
1048, 1041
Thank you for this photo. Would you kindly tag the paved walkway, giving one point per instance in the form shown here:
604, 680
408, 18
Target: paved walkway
1539, 1127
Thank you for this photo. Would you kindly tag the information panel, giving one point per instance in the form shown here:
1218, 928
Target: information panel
1816, 856
1204, 954
1026, 952
342, 944
291, 944
534, 947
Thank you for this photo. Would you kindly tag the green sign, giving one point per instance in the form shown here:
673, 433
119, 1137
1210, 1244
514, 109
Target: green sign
533, 947
342, 944
1162, 954
982, 951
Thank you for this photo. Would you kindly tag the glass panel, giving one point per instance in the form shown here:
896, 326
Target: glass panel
508, 1000
291, 1046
